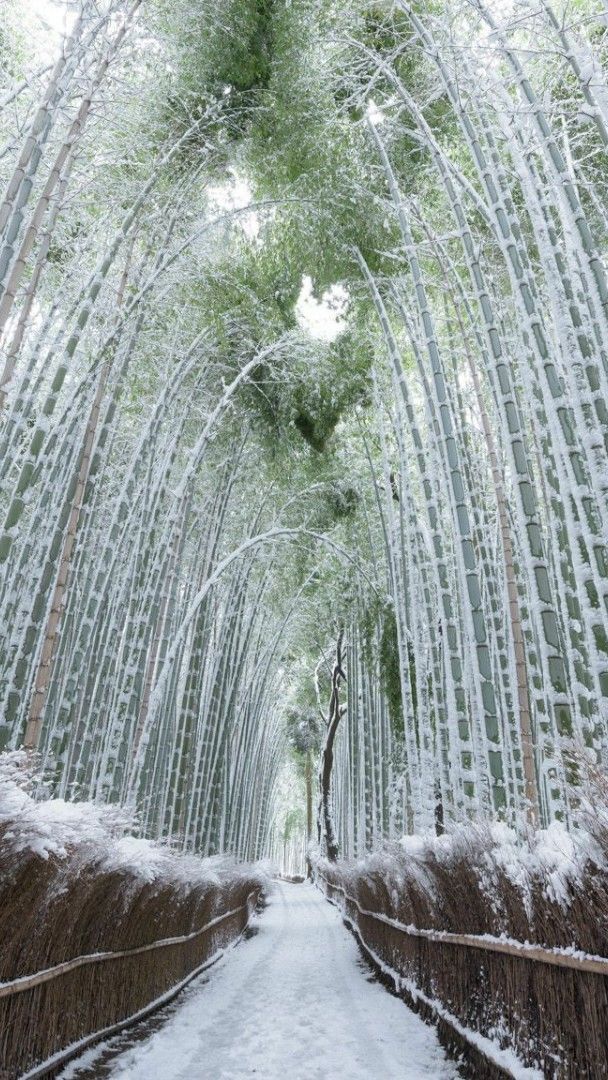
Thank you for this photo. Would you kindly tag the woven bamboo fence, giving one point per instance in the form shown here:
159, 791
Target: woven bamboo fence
549, 1005
84, 949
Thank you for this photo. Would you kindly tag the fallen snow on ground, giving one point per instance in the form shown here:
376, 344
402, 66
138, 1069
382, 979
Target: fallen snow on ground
293, 1003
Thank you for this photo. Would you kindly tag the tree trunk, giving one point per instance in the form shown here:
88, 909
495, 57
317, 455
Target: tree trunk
308, 778
336, 712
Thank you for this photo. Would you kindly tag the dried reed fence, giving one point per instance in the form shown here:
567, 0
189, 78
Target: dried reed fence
451, 935
101, 943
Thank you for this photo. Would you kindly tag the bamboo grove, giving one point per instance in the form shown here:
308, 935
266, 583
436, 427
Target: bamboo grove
202, 488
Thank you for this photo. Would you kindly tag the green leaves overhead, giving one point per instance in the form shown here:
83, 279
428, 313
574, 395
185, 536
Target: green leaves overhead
213, 471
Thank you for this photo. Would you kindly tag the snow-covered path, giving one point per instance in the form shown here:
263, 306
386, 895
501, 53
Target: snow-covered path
293, 1003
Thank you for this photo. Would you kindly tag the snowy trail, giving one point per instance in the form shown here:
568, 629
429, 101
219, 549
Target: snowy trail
293, 1003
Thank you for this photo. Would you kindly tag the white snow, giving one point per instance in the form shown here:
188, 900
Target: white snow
505, 1058
50, 826
98, 834
293, 1003
552, 858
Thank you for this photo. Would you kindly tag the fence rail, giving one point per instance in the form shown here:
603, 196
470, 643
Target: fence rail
49, 1067
598, 965
28, 982
494, 1002
52, 1015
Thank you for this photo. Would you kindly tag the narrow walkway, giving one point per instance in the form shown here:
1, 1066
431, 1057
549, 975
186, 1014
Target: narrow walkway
294, 1003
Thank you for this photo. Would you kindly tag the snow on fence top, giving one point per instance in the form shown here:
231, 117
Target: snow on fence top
101, 834
552, 860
